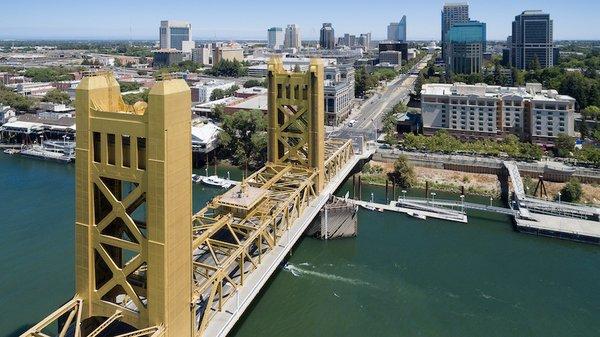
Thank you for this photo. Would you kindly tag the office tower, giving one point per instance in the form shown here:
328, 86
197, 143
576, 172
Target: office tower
292, 37
327, 38
176, 35
348, 40
465, 46
364, 40
451, 14
275, 38
397, 30
532, 38
401, 47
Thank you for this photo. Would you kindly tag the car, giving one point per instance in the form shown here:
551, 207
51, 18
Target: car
351, 122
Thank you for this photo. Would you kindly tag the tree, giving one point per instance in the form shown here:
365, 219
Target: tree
535, 63
572, 191
129, 86
403, 174
133, 98
228, 68
243, 138
564, 145
591, 112
12, 99
57, 96
217, 111
255, 83
217, 94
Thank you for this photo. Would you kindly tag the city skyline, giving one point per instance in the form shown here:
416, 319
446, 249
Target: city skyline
139, 20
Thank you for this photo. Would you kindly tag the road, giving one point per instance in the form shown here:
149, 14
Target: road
368, 116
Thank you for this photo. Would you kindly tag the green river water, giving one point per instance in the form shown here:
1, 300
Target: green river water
400, 277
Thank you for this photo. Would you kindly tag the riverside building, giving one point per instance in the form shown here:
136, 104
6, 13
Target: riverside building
485, 111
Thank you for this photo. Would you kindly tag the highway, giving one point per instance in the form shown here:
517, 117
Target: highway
368, 115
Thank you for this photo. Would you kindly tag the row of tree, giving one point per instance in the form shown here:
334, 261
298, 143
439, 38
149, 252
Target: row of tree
443, 142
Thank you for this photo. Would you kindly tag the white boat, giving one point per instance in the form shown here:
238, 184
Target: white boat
11, 151
417, 215
38, 151
216, 181
196, 178
369, 207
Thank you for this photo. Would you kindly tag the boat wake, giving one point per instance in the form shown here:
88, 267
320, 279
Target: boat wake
298, 272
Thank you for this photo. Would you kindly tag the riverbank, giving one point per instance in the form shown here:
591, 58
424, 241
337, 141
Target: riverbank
438, 179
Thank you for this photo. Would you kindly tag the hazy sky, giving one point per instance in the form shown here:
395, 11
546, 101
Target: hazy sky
249, 19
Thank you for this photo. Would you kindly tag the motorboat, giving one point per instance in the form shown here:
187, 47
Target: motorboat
369, 207
196, 178
216, 181
11, 151
417, 215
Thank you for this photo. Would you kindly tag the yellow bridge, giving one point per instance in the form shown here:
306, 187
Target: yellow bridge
147, 266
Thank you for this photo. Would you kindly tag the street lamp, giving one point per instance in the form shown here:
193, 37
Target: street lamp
372, 197
559, 194
433, 197
462, 203
206, 170
404, 194
491, 200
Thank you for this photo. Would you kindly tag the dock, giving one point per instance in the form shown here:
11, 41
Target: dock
419, 211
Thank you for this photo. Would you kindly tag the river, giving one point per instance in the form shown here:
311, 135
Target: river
400, 277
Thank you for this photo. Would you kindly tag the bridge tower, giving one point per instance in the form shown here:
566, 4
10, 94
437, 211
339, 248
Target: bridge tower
133, 206
296, 119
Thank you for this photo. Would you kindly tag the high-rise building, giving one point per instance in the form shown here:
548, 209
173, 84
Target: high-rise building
451, 14
292, 37
532, 39
327, 37
364, 40
176, 35
275, 38
465, 46
348, 40
397, 30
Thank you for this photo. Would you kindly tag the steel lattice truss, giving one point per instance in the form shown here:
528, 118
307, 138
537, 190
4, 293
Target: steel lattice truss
71, 311
227, 247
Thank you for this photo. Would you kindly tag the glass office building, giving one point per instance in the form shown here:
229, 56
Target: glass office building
466, 44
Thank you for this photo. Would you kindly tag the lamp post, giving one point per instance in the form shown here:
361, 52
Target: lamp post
491, 200
433, 197
404, 194
559, 194
462, 203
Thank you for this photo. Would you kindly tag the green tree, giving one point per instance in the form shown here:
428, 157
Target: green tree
132, 98
255, 83
52, 74
57, 96
228, 68
591, 112
11, 98
243, 138
217, 112
572, 191
564, 145
129, 86
217, 94
403, 174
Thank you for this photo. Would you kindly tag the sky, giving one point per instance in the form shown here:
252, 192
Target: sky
249, 19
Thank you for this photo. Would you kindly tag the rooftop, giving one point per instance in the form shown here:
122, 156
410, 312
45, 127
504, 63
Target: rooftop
532, 91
